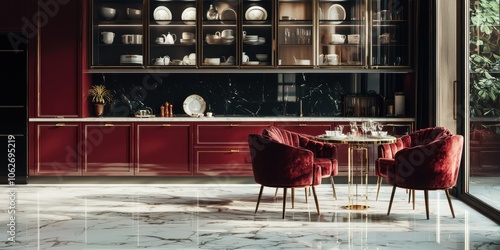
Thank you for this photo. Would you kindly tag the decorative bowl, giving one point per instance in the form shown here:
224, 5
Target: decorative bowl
133, 13
262, 57
107, 13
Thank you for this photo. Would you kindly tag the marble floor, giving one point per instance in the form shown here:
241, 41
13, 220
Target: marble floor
221, 216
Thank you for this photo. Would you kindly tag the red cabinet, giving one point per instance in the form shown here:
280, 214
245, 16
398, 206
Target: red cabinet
16, 16
222, 148
108, 149
163, 149
311, 128
57, 150
58, 71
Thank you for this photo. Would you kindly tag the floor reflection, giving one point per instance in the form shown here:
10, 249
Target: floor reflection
222, 216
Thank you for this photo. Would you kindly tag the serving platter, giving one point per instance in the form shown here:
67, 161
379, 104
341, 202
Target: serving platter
162, 15
256, 13
194, 105
336, 13
189, 15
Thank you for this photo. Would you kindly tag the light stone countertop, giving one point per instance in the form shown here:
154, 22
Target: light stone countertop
225, 119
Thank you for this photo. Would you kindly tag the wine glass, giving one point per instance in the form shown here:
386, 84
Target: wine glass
341, 128
364, 128
354, 129
380, 126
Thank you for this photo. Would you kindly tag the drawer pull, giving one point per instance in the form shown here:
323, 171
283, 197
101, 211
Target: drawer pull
234, 125
108, 125
235, 151
60, 124
166, 125
302, 125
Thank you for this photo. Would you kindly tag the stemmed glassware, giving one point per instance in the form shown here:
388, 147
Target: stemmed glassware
364, 128
354, 128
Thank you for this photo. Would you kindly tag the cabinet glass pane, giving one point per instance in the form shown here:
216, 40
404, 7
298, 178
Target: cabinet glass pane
341, 33
257, 33
295, 33
172, 33
390, 33
219, 31
117, 33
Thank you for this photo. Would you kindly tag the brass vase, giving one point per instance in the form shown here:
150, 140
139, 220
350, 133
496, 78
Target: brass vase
99, 109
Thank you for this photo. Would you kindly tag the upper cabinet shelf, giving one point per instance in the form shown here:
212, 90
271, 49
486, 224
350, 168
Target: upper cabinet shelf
250, 34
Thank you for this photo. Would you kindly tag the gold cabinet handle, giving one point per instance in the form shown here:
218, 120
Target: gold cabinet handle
235, 151
108, 125
234, 125
302, 125
166, 125
60, 124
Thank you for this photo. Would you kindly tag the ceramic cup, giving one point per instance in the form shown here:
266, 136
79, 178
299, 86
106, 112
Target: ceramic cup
209, 114
108, 37
187, 35
353, 39
332, 59
337, 38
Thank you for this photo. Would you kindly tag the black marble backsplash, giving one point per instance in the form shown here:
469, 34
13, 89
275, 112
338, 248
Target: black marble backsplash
242, 94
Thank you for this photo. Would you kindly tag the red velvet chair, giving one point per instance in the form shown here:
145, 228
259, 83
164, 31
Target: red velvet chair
387, 152
325, 154
427, 165
279, 165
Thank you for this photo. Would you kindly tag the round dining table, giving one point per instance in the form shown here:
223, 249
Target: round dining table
357, 198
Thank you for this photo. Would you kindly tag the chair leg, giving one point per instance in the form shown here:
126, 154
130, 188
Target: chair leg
315, 199
284, 203
276, 194
333, 188
426, 195
412, 191
447, 191
258, 199
306, 193
293, 198
392, 198
379, 181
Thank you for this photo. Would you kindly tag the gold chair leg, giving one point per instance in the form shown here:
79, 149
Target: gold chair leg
392, 198
426, 195
258, 199
284, 203
293, 198
333, 188
315, 199
379, 181
306, 193
447, 191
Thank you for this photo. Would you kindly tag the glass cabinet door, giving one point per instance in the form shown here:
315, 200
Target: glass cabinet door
117, 33
295, 33
342, 33
390, 34
257, 33
219, 31
172, 33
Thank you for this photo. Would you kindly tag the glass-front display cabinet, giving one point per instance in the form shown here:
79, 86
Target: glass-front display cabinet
390, 33
172, 33
117, 33
220, 30
296, 43
342, 33
257, 33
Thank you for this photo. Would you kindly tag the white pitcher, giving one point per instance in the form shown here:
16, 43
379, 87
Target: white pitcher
244, 57
170, 38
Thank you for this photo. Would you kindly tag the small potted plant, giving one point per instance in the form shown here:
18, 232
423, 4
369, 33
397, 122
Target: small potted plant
99, 95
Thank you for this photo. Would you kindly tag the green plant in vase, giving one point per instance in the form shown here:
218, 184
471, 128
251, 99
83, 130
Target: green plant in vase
99, 95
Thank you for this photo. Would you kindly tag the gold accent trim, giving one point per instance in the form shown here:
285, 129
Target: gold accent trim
60, 124
108, 125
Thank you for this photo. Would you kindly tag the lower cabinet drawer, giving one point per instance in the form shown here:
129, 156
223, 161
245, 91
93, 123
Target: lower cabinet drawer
220, 162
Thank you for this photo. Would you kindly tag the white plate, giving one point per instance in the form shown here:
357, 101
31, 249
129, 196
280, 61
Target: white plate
336, 13
228, 14
189, 15
194, 105
162, 15
256, 13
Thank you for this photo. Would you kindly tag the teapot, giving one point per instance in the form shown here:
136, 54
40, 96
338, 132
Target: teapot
170, 38
161, 60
